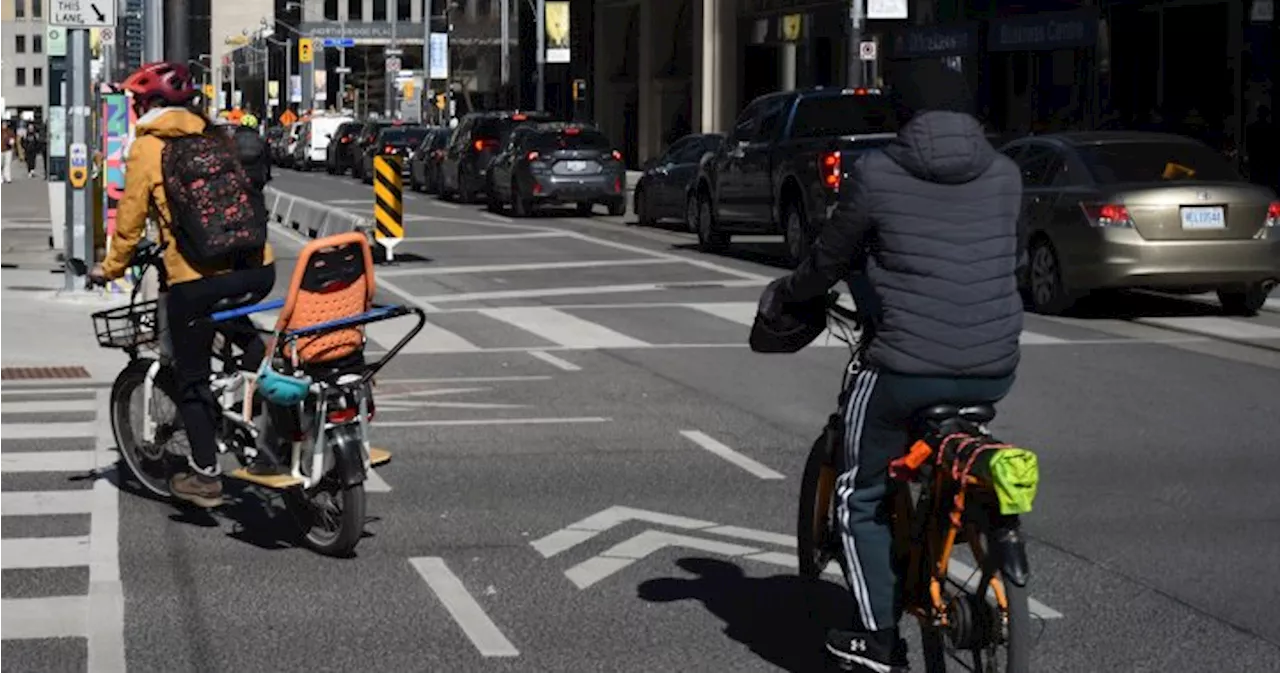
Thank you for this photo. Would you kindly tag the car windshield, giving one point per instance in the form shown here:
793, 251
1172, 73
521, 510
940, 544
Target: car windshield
500, 128
403, 136
844, 115
583, 140
1138, 161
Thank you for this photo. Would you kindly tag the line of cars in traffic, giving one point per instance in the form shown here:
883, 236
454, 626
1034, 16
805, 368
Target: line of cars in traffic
1101, 210
516, 159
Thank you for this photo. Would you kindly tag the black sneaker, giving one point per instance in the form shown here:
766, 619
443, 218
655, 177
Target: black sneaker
875, 651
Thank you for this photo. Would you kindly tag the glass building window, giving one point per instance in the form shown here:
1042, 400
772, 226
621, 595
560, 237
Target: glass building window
20, 44
20, 77
380, 9
355, 10
331, 10
37, 44
37, 77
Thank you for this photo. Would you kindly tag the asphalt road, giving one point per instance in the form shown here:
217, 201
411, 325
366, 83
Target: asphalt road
593, 473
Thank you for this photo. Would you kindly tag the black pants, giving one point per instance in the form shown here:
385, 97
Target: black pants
877, 430
193, 349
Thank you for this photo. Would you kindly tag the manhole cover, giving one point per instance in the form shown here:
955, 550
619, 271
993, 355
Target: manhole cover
36, 373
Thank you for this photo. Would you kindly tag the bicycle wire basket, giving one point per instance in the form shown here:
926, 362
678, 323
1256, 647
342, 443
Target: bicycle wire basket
129, 326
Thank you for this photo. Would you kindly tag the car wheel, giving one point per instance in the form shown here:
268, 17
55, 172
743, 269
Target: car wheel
1247, 301
691, 214
643, 217
709, 240
1046, 289
520, 205
796, 230
617, 208
491, 200
584, 209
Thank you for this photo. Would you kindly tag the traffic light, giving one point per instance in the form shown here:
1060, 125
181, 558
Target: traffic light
440, 101
579, 89
304, 50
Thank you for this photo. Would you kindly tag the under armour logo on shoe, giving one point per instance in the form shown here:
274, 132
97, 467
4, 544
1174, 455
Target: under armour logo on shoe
857, 646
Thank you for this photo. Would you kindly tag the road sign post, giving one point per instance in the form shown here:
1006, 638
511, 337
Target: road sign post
79, 239
388, 204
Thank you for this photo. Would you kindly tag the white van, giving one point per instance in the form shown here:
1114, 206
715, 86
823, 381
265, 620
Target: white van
313, 141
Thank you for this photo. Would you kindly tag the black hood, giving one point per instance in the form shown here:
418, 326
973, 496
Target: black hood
943, 147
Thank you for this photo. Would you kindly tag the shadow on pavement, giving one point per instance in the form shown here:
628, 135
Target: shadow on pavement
783, 618
1123, 305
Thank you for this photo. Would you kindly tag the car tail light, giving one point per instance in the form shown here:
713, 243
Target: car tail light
572, 131
532, 156
345, 140
829, 169
519, 117
617, 156
537, 188
389, 149
1273, 214
483, 143
617, 184
1107, 215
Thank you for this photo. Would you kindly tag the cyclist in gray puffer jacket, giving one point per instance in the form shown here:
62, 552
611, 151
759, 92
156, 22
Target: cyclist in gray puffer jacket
929, 226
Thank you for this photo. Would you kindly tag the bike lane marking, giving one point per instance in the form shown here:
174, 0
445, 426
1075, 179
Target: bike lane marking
478, 627
745, 462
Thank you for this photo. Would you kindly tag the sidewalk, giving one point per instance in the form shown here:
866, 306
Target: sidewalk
39, 325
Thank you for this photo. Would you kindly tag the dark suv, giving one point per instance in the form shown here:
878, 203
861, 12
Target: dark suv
478, 138
364, 138
337, 157
558, 163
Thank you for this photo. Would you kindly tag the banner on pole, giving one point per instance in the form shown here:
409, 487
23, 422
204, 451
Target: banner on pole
557, 28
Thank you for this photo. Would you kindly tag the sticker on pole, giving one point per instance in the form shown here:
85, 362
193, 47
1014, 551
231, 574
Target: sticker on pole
82, 13
393, 64
79, 159
867, 51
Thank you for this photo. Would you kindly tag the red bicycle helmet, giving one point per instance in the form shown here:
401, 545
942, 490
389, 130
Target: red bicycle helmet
170, 82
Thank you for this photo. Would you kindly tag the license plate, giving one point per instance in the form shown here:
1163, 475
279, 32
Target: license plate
575, 166
1204, 217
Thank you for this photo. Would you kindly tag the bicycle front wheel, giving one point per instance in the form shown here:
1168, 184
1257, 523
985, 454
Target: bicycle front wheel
817, 535
149, 461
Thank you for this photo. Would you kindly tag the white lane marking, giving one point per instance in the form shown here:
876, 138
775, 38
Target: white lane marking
432, 338
47, 407
495, 217
44, 552
963, 573
741, 312
1034, 339
462, 379
480, 629
745, 462
46, 430
581, 531
18, 390
753, 535
560, 328
48, 461
583, 290
629, 551
710, 266
494, 224
536, 266
36, 503
374, 483
1218, 327
106, 592
557, 362
491, 421
50, 617
480, 237
445, 204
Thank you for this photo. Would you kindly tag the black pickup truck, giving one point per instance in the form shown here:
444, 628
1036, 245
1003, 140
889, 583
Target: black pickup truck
780, 169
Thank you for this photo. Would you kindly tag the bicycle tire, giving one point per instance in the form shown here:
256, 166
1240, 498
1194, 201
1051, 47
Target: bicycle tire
130, 379
815, 527
350, 525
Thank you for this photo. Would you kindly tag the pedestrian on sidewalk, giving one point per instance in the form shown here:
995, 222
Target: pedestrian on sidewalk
33, 148
9, 143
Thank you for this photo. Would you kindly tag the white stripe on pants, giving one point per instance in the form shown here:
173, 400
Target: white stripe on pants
855, 418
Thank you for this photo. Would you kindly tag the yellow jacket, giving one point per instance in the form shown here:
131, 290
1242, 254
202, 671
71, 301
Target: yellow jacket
144, 189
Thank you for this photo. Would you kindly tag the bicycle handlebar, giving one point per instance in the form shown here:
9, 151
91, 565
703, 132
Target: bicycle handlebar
841, 312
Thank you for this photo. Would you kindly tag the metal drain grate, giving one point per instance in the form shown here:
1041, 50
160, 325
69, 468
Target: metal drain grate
39, 373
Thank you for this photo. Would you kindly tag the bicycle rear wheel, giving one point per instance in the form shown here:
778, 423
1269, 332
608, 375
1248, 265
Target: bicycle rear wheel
817, 532
150, 462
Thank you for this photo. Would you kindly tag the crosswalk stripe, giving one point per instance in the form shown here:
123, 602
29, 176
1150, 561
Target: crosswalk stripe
44, 552
562, 328
48, 406
432, 338
1034, 339
47, 461
1218, 327
32, 503
48, 617
47, 430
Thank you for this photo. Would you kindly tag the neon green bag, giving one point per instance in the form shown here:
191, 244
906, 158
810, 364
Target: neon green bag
1015, 474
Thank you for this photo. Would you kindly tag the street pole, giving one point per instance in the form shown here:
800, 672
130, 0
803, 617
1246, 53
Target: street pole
79, 238
177, 33
506, 51
342, 71
394, 8
855, 44
540, 21
427, 96
266, 80
288, 72
153, 31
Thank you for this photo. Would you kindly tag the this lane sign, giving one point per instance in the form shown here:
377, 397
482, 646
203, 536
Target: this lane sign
82, 13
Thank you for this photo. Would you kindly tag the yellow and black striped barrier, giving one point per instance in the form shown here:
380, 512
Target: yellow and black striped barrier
388, 203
